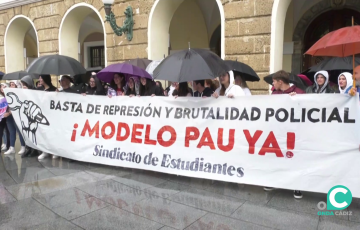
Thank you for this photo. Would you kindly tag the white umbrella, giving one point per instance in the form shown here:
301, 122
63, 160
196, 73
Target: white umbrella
152, 66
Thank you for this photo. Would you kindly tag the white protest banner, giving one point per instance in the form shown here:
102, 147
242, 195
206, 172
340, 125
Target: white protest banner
304, 142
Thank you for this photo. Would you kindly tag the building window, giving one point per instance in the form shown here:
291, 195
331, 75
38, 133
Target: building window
97, 56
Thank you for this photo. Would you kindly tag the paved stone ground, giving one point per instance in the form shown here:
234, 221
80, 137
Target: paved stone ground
64, 194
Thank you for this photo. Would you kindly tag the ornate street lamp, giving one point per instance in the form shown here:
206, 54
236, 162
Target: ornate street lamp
127, 28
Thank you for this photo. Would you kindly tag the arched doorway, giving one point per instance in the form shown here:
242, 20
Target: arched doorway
21, 44
175, 24
82, 36
324, 24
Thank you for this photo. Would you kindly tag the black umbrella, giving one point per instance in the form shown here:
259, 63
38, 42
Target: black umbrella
56, 65
84, 78
294, 79
243, 70
334, 66
1, 74
18, 75
140, 62
190, 65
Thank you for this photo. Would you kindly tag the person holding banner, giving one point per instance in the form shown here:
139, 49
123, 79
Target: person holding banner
345, 82
117, 85
227, 87
95, 87
28, 83
132, 87
47, 86
281, 85
65, 83
159, 84
321, 84
149, 88
353, 90
183, 90
3, 109
13, 129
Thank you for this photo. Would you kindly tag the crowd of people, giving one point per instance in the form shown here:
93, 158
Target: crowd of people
228, 85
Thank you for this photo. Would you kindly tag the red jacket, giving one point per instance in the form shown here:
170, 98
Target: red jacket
289, 90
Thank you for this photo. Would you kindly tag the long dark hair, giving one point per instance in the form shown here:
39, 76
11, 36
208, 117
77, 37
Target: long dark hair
130, 91
183, 90
47, 79
99, 88
145, 90
122, 83
160, 85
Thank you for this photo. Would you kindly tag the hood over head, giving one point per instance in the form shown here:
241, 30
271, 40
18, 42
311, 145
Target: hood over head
16, 82
231, 78
5, 84
136, 84
28, 81
349, 81
323, 88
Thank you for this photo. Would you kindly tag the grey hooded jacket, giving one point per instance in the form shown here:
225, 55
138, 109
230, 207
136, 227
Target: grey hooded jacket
28, 81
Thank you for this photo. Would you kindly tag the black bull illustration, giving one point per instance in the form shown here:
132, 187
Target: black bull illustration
30, 115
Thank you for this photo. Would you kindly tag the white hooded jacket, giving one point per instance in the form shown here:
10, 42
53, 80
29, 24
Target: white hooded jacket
349, 81
323, 88
233, 89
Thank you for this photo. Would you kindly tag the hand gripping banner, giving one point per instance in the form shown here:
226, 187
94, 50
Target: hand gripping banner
303, 142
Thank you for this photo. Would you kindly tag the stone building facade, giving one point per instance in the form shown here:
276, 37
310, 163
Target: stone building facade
268, 35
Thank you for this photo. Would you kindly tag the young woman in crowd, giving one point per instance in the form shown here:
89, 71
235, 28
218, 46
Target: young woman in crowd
240, 81
28, 83
345, 82
132, 87
158, 84
94, 87
183, 90
321, 84
149, 88
4, 131
117, 85
11, 125
227, 87
46, 85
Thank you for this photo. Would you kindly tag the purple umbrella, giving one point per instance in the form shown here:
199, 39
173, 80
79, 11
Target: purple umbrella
107, 74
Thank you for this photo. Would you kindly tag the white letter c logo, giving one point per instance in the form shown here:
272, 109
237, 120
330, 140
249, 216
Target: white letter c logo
332, 198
